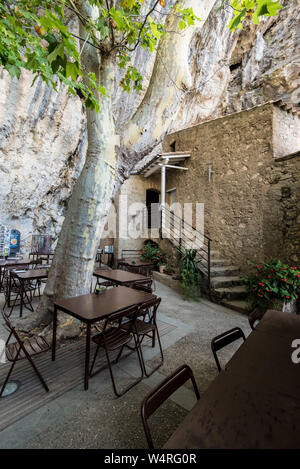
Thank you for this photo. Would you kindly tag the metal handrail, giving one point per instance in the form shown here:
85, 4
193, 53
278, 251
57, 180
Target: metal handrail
184, 240
167, 211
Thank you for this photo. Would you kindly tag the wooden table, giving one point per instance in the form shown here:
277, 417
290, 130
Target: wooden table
255, 401
23, 277
92, 308
120, 277
10, 263
136, 265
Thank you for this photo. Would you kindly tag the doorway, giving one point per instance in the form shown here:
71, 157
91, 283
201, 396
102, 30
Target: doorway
152, 204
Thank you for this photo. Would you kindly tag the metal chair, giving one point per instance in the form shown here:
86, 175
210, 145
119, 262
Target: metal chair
145, 326
114, 337
143, 286
162, 392
254, 316
21, 349
224, 339
13, 287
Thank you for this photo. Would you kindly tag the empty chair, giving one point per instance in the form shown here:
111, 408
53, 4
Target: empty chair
254, 316
112, 338
162, 392
224, 339
145, 325
21, 349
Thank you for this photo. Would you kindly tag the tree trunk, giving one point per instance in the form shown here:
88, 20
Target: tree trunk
108, 162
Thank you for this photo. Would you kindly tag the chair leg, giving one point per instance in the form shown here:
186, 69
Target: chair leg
94, 360
9, 373
35, 369
117, 393
161, 354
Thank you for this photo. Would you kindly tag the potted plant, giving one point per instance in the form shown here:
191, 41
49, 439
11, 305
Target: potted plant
100, 289
273, 285
190, 274
154, 255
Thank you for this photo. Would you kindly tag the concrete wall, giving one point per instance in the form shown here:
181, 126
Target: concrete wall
252, 206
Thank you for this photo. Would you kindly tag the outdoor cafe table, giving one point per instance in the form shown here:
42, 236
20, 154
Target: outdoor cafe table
10, 263
255, 401
23, 277
120, 277
92, 308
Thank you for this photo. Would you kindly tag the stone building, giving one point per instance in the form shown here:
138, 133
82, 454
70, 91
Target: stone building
245, 169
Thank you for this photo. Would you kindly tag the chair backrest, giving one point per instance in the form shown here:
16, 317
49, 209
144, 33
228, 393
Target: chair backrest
11, 328
142, 287
128, 313
150, 307
224, 339
162, 392
130, 253
6, 320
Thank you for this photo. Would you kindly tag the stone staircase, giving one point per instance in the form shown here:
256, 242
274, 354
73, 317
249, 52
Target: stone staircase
227, 286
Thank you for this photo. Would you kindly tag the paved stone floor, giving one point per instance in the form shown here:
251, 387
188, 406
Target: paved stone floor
96, 419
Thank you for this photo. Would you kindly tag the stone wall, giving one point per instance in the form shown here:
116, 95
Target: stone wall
252, 206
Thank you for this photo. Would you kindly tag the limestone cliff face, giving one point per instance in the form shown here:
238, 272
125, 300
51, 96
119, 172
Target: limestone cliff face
42, 147
233, 72
43, 133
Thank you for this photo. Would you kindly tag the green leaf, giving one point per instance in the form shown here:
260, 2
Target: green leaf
72, 70
58, 51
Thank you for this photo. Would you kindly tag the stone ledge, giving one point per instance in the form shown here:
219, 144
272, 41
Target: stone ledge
168, 281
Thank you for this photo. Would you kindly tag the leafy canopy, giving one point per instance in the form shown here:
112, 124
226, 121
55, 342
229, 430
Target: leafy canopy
36, 35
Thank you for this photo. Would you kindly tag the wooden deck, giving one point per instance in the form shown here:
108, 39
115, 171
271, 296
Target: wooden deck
61, 376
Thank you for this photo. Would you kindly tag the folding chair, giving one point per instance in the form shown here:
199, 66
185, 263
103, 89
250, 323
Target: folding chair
145, 326
162, 392
224, 339
21, 349
113, 338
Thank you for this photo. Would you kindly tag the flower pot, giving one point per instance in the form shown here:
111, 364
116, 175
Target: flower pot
162, 268
290, 307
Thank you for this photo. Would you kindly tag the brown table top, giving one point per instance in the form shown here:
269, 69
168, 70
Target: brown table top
255, 401
4, 262
119, 276
91, 308
31, 274
135, 262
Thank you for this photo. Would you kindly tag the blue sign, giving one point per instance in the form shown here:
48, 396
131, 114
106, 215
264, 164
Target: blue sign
15, 237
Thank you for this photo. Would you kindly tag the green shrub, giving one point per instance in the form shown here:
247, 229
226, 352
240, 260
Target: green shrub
153, 254
190, 274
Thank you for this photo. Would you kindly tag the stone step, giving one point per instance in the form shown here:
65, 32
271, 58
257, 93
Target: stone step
214, 254
227, 281
224, 271
219, 262
215, 262
231, 293
237, 305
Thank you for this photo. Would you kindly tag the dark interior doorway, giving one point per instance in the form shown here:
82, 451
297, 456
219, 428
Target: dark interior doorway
152, 203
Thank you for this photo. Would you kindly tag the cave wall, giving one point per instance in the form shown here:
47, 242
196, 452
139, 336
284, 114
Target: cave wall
43, 133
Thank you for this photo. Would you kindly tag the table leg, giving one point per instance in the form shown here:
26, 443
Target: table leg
54, 326
87, 356
8, 289
21, 294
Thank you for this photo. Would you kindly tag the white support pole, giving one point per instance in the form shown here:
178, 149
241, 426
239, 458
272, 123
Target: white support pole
163, 197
